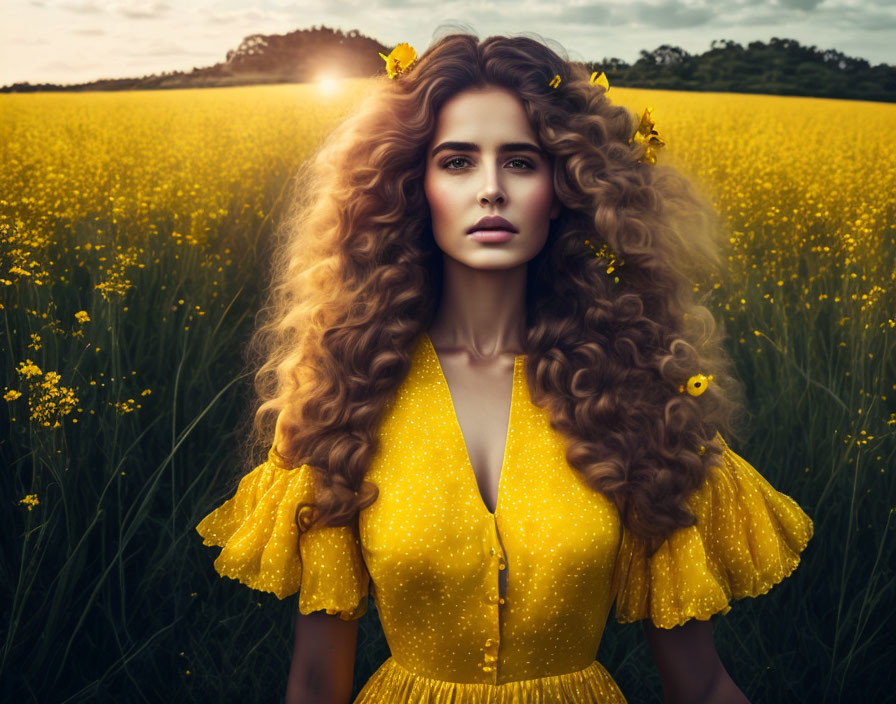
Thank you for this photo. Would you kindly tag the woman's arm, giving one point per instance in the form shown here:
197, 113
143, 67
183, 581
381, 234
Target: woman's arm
689, 666
323, 659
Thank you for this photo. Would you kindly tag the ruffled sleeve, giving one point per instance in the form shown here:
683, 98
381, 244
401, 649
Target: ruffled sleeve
262, 548
748, 537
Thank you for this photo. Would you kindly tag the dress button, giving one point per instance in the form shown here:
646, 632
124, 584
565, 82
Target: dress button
491, 658
501, 600
501, 565
488, 642
487, 669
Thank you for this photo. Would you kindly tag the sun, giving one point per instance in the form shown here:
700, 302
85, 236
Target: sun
328, 85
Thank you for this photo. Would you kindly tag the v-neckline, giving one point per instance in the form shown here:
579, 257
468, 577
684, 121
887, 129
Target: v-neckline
469, 471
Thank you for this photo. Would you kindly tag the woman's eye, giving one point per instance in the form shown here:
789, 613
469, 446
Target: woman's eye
451, 161
446, 165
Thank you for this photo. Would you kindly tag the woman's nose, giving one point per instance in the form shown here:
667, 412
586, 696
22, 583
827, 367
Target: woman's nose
491, 190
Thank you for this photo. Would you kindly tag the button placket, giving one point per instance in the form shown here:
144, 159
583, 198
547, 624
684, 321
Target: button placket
490, 656
497, 554
488, 664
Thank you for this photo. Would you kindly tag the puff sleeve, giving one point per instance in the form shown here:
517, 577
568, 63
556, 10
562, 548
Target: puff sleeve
748, 537
263, 550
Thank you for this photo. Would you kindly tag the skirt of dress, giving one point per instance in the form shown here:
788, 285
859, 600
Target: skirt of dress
393, 684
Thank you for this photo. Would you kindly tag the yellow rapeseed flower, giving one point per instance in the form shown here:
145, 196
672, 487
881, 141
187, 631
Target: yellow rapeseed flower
30, 501
646, 134
28, 369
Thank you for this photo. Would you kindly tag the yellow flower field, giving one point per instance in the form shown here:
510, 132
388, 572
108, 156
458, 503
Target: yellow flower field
795, 176
133, 231
101, 179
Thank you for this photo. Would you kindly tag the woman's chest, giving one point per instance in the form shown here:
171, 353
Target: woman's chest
431, 526
481, 399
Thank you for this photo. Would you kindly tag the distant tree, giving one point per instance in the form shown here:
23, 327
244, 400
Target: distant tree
664, 55
725, 44
843, 62
252, 45
614, 63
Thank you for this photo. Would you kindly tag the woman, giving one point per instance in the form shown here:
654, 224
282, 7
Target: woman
489, 429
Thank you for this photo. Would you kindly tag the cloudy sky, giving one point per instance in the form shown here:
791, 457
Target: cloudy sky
71, 41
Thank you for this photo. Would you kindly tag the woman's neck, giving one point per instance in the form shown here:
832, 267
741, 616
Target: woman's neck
482, 311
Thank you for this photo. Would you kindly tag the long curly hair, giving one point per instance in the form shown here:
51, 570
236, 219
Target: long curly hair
356, 278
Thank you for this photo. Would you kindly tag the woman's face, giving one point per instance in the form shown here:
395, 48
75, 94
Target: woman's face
499, 170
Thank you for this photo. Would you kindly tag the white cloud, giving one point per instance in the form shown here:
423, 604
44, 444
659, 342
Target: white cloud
242, 16
142, 11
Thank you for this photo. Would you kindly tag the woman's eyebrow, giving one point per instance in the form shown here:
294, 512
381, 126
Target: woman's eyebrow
471, 147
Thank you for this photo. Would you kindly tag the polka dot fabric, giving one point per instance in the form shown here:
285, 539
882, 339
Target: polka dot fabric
748, 537
484, 608
262, 548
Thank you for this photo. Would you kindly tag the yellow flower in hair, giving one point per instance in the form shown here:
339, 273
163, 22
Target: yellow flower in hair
646, 134
696, 384
600, 80
399, 60
607, 254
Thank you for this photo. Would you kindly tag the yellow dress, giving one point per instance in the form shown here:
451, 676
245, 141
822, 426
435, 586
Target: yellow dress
430, 552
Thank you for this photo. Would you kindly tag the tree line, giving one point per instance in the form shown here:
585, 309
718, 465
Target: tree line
779, 67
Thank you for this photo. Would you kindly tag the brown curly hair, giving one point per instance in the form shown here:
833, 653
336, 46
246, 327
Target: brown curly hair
357, 278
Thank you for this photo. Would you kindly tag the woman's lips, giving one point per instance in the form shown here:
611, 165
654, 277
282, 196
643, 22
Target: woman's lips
491, 235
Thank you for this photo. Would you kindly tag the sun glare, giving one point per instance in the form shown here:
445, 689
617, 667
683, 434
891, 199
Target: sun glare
328, 85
